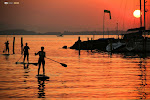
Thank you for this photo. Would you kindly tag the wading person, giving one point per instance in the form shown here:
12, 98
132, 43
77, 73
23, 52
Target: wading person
26, 52
7, 46
41, 59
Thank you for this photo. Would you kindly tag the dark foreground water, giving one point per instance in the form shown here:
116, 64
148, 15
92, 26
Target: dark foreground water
90, 76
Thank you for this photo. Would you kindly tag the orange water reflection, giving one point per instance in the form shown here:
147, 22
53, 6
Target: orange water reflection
90, 76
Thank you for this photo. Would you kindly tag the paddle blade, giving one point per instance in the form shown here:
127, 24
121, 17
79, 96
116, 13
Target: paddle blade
63, 64
19, 62
35, 64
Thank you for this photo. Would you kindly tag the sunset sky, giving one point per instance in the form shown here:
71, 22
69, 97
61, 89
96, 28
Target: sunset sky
70, 15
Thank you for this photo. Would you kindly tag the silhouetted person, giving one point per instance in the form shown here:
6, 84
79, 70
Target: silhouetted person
7, 46
26, 52
41, 59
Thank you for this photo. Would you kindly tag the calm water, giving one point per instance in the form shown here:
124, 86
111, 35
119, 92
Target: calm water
90, 76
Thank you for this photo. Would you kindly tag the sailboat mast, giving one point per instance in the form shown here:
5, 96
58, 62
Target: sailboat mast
140, 14
144, 15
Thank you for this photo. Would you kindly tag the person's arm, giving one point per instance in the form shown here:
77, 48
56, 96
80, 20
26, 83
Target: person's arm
44, 55
36, 53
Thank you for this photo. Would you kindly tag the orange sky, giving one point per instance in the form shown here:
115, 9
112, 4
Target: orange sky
70, 15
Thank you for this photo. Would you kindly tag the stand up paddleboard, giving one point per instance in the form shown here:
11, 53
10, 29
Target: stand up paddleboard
6, 54
26, 63
42, 77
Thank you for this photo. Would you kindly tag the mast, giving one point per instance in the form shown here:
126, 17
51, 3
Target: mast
117, 31
144, 15
103, 25
140, 14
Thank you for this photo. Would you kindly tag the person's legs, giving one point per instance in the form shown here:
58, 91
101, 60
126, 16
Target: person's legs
39, 67
8, 50
28, 58
43, 63
24, 57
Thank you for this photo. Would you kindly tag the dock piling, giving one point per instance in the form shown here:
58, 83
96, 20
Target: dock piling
14, 45
79, 44
21, 45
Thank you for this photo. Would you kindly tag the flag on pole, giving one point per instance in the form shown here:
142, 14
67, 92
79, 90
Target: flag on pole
107, 11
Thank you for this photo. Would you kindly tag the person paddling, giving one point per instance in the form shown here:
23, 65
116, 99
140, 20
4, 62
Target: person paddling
26, 52
7, 46
41, 60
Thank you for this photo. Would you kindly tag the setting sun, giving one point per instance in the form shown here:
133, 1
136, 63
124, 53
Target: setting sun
136, 13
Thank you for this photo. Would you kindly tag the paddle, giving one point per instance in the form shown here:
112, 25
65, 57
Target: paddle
19, 59
58, 62
27, 63
4, 50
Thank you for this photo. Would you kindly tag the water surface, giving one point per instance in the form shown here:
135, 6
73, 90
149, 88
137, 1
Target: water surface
90, 76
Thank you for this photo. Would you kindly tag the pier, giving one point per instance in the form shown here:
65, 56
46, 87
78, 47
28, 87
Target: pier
133, 41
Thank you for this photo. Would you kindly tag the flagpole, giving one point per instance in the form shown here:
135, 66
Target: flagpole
117, 31
103, 24
105, 11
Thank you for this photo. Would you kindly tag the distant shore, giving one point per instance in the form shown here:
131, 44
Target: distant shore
25, 32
